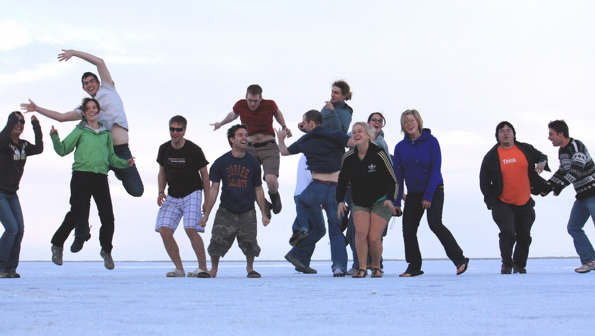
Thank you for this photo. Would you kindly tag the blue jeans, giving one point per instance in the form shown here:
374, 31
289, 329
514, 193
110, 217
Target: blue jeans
11, 217
315, 195
304, 250
580, 213
130, 180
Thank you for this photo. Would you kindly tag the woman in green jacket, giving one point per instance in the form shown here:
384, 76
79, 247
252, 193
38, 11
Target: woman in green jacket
93, 155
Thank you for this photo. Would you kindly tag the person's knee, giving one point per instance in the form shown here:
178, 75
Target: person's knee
166, 232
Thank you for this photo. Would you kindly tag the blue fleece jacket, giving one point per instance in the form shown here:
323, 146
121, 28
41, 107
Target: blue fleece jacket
418, 162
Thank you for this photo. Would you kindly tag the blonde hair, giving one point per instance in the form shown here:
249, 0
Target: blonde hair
416, 115
366, 127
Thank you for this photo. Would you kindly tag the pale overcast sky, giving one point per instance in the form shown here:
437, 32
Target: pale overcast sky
465, 65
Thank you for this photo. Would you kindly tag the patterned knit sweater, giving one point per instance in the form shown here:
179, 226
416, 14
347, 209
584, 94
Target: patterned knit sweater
576, 167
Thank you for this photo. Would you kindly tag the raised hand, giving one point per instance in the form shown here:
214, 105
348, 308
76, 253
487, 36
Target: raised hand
53, 131
31, 107
65, 55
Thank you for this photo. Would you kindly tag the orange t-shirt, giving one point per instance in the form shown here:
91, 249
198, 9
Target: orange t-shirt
516, 188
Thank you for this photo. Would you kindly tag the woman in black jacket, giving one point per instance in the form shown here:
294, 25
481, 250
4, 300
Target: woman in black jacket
13, 155
374, 188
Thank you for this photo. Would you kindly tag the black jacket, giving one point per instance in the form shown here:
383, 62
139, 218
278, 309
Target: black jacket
490, 175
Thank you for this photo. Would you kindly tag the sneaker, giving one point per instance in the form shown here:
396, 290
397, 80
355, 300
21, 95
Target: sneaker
108, 262
78, 243
276, 202
519, 270
295, 262
338, 273
13, 274
176, 273
297, 237
57, 254
352, 271
586, 268
505, 269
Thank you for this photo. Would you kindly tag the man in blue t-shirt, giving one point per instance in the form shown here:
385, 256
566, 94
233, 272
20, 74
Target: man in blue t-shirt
324, 150
236, 216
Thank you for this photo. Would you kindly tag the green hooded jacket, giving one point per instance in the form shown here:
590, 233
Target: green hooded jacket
94, 149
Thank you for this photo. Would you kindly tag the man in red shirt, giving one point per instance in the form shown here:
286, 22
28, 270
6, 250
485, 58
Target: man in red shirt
257, 114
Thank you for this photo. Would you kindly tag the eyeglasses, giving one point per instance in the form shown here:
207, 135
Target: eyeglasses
21, 121
176, 129
376, 120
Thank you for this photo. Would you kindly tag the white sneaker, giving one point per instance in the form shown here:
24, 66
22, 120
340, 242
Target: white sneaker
586, 268
352, 271
175, 273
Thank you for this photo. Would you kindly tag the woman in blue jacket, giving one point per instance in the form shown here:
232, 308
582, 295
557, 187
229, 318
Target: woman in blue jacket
417, 160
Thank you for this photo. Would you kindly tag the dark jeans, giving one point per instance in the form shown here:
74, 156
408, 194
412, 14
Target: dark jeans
11, 217
83, 186
130, 180
515, 222
412, 216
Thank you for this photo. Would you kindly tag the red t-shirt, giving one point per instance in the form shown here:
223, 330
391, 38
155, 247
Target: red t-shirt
516, 188
260, 120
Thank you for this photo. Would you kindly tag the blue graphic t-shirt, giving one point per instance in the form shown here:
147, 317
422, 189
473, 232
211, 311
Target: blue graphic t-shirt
239, 177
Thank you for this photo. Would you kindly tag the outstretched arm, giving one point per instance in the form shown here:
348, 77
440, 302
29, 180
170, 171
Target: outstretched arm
104, 74
58, 116
231, 116
281, 120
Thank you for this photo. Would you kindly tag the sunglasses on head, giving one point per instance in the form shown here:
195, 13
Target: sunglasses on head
176, 129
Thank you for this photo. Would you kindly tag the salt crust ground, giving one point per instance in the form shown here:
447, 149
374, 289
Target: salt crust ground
83, 298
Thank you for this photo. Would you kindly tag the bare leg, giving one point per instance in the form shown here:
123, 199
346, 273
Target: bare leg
171, 247
249, 263
272, 183
377, 226
361, 221
199, 248
214, 266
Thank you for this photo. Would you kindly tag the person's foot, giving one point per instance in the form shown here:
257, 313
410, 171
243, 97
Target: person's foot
297, 237
78, 243
352, 271
519, 270
586, 268
213, 273
307, 270
506, 269
409, 274
361, 273
463, 267
198, 273
276, 202
338, 273
295, 261
13, 274
57, 254
175, 273
267, 208
108, 262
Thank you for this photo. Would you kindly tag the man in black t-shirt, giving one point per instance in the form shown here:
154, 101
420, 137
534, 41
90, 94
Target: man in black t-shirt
182, 167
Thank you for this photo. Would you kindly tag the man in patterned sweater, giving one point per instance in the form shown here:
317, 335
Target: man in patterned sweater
576, 167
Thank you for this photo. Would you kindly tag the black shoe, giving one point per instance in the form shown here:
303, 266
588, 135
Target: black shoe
520, 270
78, 243
267, 208
299, 266
345, 221
297, 237
276, 202
506, 269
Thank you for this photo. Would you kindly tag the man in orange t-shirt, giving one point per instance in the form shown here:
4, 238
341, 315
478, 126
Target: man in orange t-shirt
507, 179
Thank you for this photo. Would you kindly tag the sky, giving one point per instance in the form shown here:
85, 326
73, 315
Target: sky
136, 298
465, 65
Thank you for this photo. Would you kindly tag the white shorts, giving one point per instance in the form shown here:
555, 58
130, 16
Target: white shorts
173, 209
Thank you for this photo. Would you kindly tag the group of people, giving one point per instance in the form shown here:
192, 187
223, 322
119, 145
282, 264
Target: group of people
347, 171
